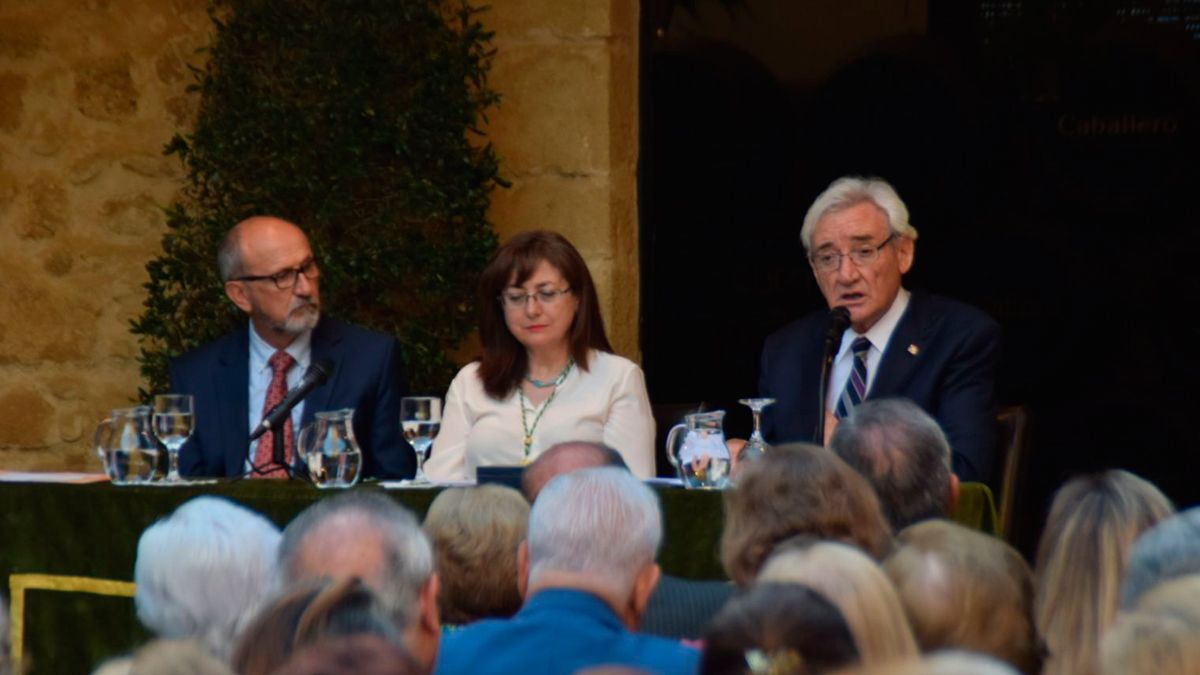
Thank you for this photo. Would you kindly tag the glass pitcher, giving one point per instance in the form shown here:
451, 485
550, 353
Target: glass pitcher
126, 446
697, 450
329, 449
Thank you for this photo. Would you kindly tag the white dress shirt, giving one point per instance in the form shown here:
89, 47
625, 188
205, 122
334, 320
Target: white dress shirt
261, 374
606, 404
879, 335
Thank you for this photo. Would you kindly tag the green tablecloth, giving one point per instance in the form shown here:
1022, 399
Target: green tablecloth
91, 531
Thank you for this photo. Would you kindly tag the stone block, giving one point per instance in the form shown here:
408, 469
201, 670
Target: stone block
46, 209
45, 138
12, 100
136, 215
554, 111
574, 206
42, 324
540, 19
25, 417
151, 166
84, 170
182, 109
58, 262
19, 38
104, 89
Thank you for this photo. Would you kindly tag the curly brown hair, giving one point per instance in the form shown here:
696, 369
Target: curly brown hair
798, 490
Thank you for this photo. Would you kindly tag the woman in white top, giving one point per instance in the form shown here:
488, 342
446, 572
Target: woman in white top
547, 373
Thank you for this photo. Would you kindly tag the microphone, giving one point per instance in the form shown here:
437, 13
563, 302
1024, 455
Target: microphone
839, 321
316, 375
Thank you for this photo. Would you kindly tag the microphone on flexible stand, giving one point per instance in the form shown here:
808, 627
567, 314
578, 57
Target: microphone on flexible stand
839, 321
316, 375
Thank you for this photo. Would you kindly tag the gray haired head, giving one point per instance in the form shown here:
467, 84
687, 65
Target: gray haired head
204, 571
903, 453
600, 521
849, 191
317, 542
1168, 550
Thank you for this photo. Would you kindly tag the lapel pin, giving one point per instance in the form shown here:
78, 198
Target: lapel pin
913, 349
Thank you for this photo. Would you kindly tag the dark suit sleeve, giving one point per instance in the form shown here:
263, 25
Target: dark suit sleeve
967, 406
391, 456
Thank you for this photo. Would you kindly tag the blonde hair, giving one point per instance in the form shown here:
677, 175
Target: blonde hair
1094, 518
1151, 643
858, 587
475, 533
965, 589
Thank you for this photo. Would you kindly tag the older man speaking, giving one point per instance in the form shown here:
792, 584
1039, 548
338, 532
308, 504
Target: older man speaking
939, 353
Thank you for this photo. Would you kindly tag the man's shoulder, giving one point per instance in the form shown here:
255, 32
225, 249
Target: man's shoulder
955, 313
807, 328
210, 352
353, 333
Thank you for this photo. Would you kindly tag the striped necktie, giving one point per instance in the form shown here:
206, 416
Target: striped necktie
856, 384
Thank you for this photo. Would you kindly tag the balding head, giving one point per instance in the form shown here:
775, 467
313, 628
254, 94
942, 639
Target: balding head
564, 458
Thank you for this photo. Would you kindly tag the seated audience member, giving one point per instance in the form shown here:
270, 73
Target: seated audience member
1081, 560
798, 489
563, 458
202, 571
1168, 550
475, 533
167, 657
963, 589
306, 615
782, 629
679, 608
856, 586
352, 655
904, 455
547, 372
368, 535
1151, 644
587, 571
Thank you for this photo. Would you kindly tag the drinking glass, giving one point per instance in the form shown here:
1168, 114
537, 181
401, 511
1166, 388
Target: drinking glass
173, 425
420, 418
756, 446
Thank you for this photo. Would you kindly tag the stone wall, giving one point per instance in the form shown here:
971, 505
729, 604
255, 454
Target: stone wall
90, 90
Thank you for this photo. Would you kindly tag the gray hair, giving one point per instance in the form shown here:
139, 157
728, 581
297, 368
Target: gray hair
204, 571
849, 191
602, 521
408, 558
1168, 550
229, 255
557, 459
902, 452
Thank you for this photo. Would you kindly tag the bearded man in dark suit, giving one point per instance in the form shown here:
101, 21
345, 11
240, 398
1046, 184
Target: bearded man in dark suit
939, 353
270, 273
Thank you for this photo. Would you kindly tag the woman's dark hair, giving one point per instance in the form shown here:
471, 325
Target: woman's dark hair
504, 361
790, 626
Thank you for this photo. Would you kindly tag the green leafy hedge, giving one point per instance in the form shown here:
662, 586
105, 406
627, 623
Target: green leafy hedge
357, 120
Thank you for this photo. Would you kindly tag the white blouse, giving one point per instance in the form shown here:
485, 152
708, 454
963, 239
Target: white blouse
605, 404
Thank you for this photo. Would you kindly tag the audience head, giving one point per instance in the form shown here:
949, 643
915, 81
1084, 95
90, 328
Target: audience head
857, 586
363, 654
1153, 641
204, 570
797, 489
1168, 550
949, 662
505, 342
904, 455
596, 530
309, 613
563, 458
967, 590
368, 535
784, 629
1095, 519
175, 657
270, 274
476, 532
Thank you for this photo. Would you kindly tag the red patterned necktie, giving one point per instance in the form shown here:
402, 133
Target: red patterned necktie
281, 362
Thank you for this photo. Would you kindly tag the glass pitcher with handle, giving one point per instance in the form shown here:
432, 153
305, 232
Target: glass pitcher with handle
330, 450
126, 446
697, 450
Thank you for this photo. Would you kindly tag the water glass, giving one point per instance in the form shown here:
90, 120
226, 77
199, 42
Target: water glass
174, 422
420, 418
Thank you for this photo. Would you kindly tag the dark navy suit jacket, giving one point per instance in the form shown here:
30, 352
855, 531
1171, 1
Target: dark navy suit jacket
368, 375
559, 632
943, 356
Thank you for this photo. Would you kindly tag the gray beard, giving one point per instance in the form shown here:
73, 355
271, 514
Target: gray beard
299, 320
